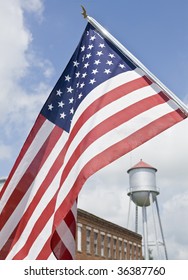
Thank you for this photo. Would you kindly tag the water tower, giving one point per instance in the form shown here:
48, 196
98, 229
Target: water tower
143, 192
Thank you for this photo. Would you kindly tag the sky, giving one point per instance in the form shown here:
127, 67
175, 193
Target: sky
37, 39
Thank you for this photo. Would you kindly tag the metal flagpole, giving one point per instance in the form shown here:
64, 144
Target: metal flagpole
134, 60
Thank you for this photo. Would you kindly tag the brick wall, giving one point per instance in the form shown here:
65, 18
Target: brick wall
98, 239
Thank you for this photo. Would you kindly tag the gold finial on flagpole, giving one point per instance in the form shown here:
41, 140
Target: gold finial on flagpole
84, 13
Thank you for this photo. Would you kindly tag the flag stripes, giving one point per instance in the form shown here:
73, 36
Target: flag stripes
118, 115
85, 152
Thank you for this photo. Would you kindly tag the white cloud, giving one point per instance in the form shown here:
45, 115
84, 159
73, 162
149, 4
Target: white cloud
35, 6
17, 60
5, 151
19, 103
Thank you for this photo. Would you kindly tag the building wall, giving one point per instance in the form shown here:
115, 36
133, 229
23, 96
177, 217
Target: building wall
98, 239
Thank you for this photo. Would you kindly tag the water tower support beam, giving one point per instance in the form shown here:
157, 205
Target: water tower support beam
154, 221
145, 233
129, 212
160, 224
136, 219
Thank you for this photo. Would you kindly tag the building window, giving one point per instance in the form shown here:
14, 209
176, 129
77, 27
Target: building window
139, 252
120, 248
102, 244
125, 250
109, 246
88, 240
95, 242
79, 237
134, 252
114, 247
130, 250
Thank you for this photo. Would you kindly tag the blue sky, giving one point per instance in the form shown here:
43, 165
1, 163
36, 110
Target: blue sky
36, 42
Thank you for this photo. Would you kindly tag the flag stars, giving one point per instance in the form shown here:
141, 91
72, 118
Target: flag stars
61, 104
70, 89
102, 46
82, 85
72, 111
111, 55
67, 78
92, 81
62, 115
93, 38
88, 55
97, 62
50, 107
86, 65
90, 47
80, 96
99, 53
122, 66
58, 92
71, 100
107, 71
109, 62
95, 71
75, 63
83, 48
84, 75
77, 74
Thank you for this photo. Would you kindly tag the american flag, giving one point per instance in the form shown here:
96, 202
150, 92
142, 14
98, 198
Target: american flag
102, 107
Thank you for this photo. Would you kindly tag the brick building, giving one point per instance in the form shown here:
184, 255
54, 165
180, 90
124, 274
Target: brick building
98, 239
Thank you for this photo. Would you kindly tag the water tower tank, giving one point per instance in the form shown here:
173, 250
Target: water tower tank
142, 183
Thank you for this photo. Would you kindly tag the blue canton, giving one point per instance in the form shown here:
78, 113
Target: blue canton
94, 61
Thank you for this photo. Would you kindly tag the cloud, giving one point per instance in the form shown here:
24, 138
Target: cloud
17, 56
5, 151
21, 97
36, 6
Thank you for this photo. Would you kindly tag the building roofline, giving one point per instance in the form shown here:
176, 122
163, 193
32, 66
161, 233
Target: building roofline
110, 224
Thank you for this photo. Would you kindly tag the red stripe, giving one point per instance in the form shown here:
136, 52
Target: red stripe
39, 225
30, 175
109, 124
114, 152
38, 124
52, 242
106, 99
36, 199
45, 251
70, 222
59, 249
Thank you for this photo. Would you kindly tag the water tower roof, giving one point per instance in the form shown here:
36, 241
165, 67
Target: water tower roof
141, 164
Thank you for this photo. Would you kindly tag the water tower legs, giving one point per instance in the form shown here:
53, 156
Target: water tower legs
160, 225
145, 233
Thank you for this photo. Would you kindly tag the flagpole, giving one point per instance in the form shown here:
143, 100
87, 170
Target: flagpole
134, 60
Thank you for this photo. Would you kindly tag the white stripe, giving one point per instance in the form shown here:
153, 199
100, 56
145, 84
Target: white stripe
74, 210
40, 241
28, 197
67, 238
107, 111
34, 148
110, 139
105, 87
